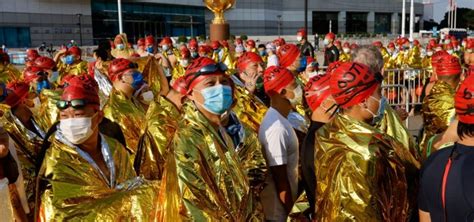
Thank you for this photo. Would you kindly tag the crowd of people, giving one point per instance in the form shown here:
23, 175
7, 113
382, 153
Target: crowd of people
235, 131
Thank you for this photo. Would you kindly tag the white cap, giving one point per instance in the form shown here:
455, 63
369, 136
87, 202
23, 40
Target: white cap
271, 46
239, 49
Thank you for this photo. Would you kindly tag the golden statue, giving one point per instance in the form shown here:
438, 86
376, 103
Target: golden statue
219, 29
218, 7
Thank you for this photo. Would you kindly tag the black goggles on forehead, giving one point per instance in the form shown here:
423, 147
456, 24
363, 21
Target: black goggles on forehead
42, 73
75, 104
133, 65
212, 68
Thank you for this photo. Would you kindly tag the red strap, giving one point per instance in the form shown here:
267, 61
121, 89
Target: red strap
444, 183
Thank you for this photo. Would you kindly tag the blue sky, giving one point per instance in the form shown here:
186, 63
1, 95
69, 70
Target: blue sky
441, 7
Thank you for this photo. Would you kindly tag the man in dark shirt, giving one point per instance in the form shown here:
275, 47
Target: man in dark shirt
316, 42
447, 177
331, 53
319, 99
306, 49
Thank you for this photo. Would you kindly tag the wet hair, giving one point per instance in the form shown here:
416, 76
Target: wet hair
369, 56
465, 130
105, 45
101, 53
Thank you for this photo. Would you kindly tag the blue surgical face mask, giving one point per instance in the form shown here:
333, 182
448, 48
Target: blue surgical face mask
380, 112
138, 80
217, 99
262, 53
150, 49
69, 59
194, 55
42, 85
303, 65
120, 46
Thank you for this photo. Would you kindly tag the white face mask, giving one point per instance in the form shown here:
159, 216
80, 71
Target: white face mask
148, 96
120, 46
36, 105
77, 130
450, 51
326, 41
429, 53
54, 76
298, 96
165, 47
184, 63
346, 50
312, 74
299, 38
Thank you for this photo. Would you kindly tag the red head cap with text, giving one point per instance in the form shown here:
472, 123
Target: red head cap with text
352, 83
276, 78
287, 54
317, 90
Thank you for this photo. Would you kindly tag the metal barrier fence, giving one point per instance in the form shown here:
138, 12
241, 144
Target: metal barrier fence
404, 87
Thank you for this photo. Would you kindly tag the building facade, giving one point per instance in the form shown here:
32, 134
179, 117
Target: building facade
28, 23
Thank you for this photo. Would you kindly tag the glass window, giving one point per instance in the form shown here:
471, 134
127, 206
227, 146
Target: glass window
382, 23
356, 22
98, 6
321, 22
15, 37
146, 18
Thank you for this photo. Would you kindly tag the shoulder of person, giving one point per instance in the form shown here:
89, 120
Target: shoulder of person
440, 155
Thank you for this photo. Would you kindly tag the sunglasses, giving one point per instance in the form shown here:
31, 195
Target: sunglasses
75, 104
212, 68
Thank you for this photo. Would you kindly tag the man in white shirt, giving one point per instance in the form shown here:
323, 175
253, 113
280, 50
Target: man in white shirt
280, 143
272, 57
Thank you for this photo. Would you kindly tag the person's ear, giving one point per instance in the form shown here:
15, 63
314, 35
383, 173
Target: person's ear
189, 96
100, 116
365, 103
182, 99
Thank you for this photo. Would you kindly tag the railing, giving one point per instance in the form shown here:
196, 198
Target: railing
403, 87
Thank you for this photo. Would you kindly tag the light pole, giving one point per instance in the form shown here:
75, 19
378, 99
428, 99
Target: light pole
455, 5
192, 31
403, 17
119, 9
80, 27
306, 16
279, 25
412, 19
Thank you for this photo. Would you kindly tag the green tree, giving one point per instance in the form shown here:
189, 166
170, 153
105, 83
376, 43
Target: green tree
469, 17
464, 19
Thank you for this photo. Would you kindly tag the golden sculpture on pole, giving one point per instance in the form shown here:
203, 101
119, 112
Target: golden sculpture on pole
219, 27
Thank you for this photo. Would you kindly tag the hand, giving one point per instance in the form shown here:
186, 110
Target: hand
448, 136
250, 80
158, 56
62, 51
402, 113
3, 146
